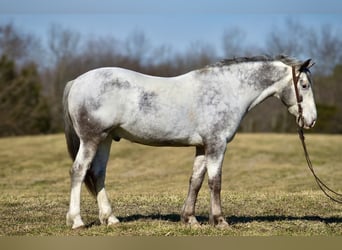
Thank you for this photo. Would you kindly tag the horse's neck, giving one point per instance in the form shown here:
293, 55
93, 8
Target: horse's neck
264, 94
251, 85
266, 82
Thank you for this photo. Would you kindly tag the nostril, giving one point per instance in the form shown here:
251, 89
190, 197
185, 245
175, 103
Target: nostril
313, 123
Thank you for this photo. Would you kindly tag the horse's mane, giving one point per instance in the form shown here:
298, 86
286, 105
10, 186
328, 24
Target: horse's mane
262, 58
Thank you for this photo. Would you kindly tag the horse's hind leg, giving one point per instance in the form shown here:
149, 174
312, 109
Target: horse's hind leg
97, 173
78, 171
196, 180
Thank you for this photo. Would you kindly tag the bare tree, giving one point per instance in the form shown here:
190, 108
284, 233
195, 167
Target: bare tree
196, 56
19, 46
294, 39
325, 46
233, 42
63, 45
288, 40
138, 46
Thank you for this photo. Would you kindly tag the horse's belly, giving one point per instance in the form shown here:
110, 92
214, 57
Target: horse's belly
158, 138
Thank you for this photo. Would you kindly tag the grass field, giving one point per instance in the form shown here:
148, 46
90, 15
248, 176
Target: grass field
266, 190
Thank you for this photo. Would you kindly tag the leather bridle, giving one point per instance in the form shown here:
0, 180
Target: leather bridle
299, 98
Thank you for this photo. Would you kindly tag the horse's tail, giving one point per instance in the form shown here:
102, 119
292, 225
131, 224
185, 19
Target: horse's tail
72, 139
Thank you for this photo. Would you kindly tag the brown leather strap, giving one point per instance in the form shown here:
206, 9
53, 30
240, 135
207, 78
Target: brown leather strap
329, 192
299, 98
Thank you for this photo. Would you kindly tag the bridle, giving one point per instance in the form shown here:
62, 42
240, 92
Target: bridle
299, 98
333, 195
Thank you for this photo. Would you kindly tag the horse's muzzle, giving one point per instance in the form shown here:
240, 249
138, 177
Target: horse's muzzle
312, 124
303, 124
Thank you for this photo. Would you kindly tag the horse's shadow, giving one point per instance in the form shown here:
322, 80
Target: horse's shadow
279, 218
232, 220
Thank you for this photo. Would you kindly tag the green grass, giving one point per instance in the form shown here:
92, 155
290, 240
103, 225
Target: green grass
266, 190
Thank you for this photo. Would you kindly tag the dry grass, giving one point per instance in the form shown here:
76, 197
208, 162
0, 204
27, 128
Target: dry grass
267, 188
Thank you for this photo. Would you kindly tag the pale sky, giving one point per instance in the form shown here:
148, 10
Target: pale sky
176, 23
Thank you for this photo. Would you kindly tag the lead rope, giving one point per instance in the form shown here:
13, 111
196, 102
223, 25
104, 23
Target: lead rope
325, 189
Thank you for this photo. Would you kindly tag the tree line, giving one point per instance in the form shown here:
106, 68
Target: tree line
33, 73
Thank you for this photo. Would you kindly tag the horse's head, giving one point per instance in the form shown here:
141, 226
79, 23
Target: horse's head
298, 95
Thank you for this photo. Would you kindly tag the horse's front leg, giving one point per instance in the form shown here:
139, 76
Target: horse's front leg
195, 183
214, 158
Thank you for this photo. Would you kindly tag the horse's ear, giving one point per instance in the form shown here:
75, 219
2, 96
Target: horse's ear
306, 65
312, 63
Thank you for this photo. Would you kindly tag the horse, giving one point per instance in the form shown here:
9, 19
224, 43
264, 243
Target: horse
202, 108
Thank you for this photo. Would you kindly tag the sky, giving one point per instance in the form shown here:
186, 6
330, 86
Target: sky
177, 23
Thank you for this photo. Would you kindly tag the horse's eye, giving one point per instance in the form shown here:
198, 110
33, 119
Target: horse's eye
304, 85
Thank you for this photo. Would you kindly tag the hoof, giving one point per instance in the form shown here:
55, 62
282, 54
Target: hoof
109, 221
222, 223
195, 226
113, 221
219, 222
79, 228
192, 222
75, 221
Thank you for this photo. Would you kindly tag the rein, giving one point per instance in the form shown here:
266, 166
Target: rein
330, 193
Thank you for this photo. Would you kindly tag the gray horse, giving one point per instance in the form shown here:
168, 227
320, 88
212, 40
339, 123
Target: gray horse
202, 108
